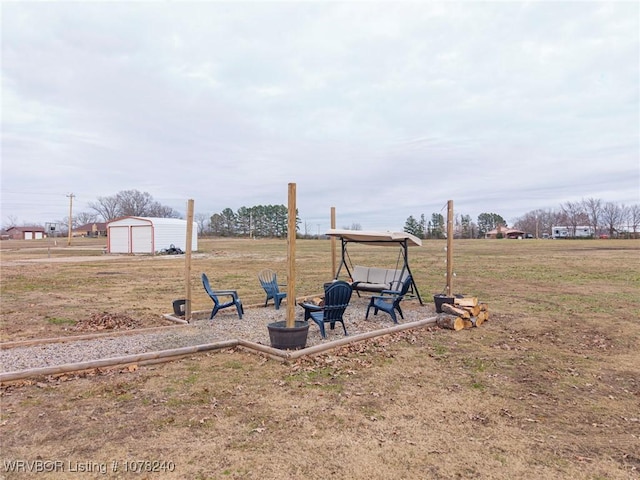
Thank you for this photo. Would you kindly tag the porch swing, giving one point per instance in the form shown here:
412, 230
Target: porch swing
375, 279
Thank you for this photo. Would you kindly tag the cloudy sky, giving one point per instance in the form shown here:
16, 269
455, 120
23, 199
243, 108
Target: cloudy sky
382, 110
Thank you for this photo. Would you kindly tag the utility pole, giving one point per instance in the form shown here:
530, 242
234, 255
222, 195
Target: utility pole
71, 195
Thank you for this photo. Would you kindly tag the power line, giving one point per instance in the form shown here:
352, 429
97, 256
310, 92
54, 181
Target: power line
37, 192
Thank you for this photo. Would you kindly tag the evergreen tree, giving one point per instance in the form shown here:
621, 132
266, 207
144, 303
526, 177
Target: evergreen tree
488, 222
413, 227
437, 226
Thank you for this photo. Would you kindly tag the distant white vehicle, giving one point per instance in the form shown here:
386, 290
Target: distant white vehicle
581, 231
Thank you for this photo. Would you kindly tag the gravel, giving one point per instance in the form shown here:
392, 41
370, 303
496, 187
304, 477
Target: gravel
225, 326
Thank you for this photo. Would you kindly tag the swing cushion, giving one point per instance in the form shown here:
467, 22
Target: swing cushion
375, 279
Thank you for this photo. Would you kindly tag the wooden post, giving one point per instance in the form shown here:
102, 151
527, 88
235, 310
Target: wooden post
333, 243
449, 290
187, 261
291, 257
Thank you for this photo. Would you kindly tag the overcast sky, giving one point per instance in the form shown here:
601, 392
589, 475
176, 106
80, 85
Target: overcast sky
381, 110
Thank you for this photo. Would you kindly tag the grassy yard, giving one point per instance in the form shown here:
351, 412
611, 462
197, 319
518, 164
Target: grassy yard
547, 388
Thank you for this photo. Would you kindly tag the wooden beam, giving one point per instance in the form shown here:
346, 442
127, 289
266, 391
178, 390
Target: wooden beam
187, 261
449, 289
291, 257
333, 244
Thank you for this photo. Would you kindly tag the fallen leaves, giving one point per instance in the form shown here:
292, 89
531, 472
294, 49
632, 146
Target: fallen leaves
105, 321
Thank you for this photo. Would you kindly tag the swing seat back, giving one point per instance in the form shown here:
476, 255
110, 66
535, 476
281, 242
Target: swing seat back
375, 279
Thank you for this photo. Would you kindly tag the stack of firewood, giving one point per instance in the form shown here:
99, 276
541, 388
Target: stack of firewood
466, 312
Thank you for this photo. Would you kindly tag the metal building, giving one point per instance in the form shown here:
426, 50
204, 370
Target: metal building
148, 235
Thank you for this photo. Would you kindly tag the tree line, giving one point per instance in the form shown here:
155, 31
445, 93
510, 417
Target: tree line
608, 218
464, 227
604, 218
256, 221
612, 219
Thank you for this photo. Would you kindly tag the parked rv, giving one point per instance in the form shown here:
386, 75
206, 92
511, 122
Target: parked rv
569, 232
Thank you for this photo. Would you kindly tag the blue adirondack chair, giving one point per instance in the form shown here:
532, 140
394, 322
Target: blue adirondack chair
217, 304
336, 300
389, 301
269, 282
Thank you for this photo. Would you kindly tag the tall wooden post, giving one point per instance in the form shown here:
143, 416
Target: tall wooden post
291, 257
187, 260
449, 290
333, 243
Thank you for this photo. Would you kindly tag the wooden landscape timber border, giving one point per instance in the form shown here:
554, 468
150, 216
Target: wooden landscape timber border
178, 353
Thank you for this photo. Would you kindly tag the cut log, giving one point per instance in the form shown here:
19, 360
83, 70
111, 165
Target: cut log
459, 312
469, 323
466, 301
451, 322
481, 318
473, 310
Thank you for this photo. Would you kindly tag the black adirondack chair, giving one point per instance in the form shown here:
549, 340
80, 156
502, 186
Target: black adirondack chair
389, 301
217, 304
269, 282
336, 300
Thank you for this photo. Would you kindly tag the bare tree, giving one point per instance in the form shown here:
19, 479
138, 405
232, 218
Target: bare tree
11, 221
83, 218
155, 209
593, 209
634, 218
573, 214
202, 221
612, 216
131, 203
134, 203
625, 215
529, 222
107, 207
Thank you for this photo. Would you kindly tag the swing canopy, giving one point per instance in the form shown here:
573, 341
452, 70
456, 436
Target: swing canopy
376, 238
389, 276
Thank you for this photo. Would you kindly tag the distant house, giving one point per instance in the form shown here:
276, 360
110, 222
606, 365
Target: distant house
504, 232
95, 229
26, 233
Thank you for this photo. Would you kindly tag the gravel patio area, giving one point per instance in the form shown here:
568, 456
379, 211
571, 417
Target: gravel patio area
225, 326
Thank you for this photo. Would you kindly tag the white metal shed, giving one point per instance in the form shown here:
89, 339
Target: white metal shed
148, 235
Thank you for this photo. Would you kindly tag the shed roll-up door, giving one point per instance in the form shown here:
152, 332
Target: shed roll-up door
141, 239
119, 239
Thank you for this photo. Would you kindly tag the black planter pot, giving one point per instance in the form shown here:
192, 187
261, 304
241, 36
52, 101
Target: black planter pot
439, 299
293, 338
179, 307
